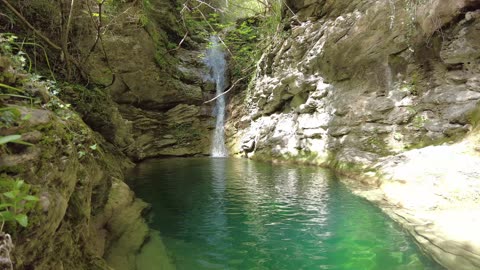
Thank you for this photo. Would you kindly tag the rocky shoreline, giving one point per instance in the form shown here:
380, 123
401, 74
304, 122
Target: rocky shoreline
438, 205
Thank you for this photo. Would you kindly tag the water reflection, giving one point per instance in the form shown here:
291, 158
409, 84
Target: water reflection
239, 214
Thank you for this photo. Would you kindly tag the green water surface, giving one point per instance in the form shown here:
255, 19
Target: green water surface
240, 214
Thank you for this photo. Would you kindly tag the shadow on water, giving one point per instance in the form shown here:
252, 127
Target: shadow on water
238, 214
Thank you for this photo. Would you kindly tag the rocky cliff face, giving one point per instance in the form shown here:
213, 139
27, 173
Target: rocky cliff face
144, 98
364, 80
357, 85
159, 86
77, 177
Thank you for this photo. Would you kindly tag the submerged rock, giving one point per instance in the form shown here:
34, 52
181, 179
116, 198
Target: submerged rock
127, 230
434, 193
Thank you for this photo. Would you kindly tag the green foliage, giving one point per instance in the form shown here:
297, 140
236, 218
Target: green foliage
8, 87
9, 46
419, 121
244, 26
15, 49
185, 133
59, 107
12, 139
171, 45
16, 78
16, 201
243, 43
9, 116
201, 26
143, 20
238, 9
162, 45
9, 138
6, 42
270, 24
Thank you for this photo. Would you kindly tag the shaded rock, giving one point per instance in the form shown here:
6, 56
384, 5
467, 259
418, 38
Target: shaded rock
182, 113
345, 121
248, 146
376, 128
32, 137
464, 47
36, 116
473, 84
166, 142
376, 109
13, 160
400, 115
314, 133
380, 104
439, 126
398, 95
150, 94
450, 94
435, 14
459, 114
337, 131
298, 100
456, 130
457, 76
126, 226
180, 151
356, 156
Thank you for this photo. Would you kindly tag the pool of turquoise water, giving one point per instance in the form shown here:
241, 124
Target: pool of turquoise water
215, 213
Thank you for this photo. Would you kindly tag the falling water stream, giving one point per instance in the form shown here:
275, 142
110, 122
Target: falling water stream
237, 214
215, 60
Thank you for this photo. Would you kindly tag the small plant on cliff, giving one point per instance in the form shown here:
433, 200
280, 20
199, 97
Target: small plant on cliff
16, 201
12, 139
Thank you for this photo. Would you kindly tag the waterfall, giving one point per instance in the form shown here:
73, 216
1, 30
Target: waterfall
215, 60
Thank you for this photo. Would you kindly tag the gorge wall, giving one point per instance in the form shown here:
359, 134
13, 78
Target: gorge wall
84, 207
386, 92
364, 79
84, 137
159, 87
